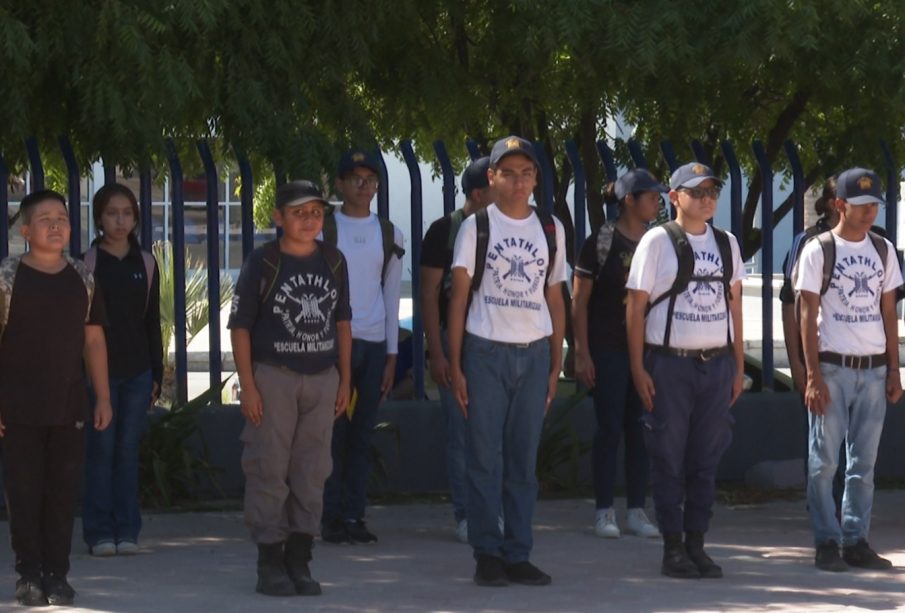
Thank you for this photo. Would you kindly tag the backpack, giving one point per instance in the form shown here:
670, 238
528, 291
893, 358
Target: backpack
387, 233
90, 259
828, 246
685, 273
455, 223
10, 266
271, 266
482, 221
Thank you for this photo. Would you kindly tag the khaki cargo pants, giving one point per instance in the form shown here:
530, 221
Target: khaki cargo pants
287, 458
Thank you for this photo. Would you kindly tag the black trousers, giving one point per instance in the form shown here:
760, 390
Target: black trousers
42, 471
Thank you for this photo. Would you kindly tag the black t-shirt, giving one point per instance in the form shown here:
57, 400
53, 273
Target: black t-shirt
295, 327
42, 381
606, 307
437, 253
134, 342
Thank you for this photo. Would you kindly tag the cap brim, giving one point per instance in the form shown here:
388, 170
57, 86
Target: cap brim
867, 199
305, 200
695, 181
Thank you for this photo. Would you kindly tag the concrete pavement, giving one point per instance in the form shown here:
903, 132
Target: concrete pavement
204, 562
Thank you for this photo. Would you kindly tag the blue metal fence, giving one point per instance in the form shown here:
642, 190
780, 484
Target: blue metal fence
449, 180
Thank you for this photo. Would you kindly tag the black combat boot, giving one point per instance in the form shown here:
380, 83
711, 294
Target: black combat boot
694, 546
676, 562
298, 554
272, 577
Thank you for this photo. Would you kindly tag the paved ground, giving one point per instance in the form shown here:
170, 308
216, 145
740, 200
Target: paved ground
204, 562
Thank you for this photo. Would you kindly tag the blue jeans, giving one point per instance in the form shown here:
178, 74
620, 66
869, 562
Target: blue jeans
507, 391
345, 492
686, 435
856, 413
455, 445
618, 409
110, 505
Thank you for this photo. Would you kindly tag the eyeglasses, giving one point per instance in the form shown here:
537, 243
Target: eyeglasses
699, 193
359, 182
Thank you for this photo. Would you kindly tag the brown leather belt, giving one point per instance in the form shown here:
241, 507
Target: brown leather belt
858, 362
702, 355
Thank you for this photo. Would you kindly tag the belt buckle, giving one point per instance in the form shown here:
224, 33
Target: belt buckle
706, 355
859, 358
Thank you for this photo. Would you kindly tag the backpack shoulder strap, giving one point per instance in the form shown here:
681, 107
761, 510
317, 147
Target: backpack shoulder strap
604, 243
150, 264
684, 272
482, 224
390, 248
87, 278
334, 260
828, 245
549, 228
725, 249
329, 230
270, 268
455, 222
881, 246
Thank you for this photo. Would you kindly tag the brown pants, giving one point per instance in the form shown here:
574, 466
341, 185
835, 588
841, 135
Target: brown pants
287, 458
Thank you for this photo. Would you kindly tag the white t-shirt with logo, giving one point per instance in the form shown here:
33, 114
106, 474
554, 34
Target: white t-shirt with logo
849, 321
511, 306
701, 317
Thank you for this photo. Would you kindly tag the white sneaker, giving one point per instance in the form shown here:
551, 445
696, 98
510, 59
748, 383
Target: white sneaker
606, 524
127, 548
462, 531
638, 524
104, 549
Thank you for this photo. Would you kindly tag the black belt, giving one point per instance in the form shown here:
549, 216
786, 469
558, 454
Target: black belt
858, 362
701, 355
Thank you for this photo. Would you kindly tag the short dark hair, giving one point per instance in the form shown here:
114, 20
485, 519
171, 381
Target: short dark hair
102, 198
26, 207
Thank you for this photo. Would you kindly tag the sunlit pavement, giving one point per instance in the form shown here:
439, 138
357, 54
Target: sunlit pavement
205, 562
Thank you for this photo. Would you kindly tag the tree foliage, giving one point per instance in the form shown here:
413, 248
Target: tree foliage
292, 82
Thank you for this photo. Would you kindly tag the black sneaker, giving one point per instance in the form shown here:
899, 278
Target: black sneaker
527, 573
358, 532
58, 591
862, 556
828, 557
334, 531
29, 592
490, 571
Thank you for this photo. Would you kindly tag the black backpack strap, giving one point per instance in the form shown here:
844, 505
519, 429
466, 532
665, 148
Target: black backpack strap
549, 227
390, 248
881, 246
685, 257
270, 269
725, 249
329, 229
828, 245
335, 261
482, 223
455, 222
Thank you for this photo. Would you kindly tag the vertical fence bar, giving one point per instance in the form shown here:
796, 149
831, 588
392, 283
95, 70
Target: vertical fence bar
473, 151
383, 190
411, 161
735, 192
4, 208
213, 262
246, 198
449, 178
669, 154
609, 166
892, 194
74, 195
579, 195
35, 167
797, 187
546, 176
145, 202
699, 154
177, 206
109, 172
634, 148
766, 257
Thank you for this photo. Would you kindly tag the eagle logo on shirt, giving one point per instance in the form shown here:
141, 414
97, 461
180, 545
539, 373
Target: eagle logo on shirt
857, 281
518, 268
304, 304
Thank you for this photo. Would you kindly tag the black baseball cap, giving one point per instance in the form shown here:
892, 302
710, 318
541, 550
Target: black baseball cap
860, 186
358, 158
297, 193
475, 175
508, 146
692, 175
638, 180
